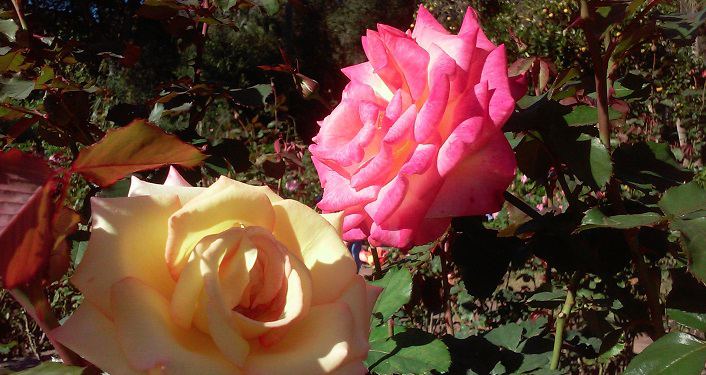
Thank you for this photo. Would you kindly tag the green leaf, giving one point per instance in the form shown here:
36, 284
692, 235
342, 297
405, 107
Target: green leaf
52, 368
15, 88
135, 147
270, 6
408, 352
507, 335
397, 290
586, 115
78, 248
689, 319
6, 348
683, 199
594, 218
9, 28
45, 75
693, 237
648, 166
532, 362
601, 165
675, 353
11, 61
557, 295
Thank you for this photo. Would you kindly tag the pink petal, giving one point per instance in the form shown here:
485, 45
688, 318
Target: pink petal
427, 29
495, 72
476, 185
470, 23
175, 179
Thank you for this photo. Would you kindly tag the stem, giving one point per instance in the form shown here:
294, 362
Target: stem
20, 15
376, 262
448, 317
561, 320
646, 280
36, 304
600, 74
521, 205
612, 190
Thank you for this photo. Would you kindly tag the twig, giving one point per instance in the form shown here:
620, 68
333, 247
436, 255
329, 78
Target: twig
561, 320
448, 317
20, 15
521, 205
376, 262
35, 303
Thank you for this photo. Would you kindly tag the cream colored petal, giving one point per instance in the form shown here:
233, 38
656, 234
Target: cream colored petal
336, 220
351, 368
175, 179
305, 232
127, 239
223, 205
226, 337
357, 299
297, 305
185, 194
185, 298
318, 344
151, 341
92, 335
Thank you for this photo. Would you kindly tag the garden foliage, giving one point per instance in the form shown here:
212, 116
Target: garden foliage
595, 263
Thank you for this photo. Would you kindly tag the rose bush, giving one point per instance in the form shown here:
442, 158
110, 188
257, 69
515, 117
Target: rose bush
417, 136
227, 279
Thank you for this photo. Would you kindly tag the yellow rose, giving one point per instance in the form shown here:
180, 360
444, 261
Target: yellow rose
230, 279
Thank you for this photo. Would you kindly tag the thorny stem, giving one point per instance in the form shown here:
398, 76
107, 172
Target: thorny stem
521, 205
35, 303
561, 320
600, 74
20, 15
612, 190
376, 262
448, 316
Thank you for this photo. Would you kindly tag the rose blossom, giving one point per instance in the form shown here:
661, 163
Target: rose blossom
417, 136
230, 279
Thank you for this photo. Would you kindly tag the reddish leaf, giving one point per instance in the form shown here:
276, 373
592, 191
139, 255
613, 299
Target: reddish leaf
136, 147
26, 213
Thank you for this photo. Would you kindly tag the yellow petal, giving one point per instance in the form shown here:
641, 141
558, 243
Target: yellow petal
140, 188
305, 232
336, 220
351, 368
127, 239
318, 344
93, 335
357, 299
151, 341
297, 305
174, 178
223, 205
186, 294
225, 335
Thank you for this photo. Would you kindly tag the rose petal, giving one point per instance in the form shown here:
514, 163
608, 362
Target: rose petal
357, 299
140, 188
127, 239
151, 341
223, 205
175, 179
427, 29
318, 344
365, 74
93, 335
304, 232
475, 186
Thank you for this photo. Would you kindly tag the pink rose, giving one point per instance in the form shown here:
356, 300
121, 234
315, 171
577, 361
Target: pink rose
417, 136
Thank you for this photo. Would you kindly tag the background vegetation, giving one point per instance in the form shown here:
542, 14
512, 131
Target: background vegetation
246, 82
